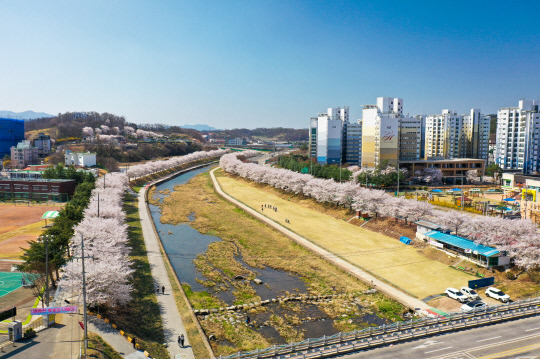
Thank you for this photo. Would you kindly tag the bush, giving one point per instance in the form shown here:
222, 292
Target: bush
29, 333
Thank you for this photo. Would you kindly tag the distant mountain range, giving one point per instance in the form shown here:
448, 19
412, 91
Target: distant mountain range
26, 115
200, 127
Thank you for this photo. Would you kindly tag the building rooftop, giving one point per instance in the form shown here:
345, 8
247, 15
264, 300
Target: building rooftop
35, 180
462, 243
457, 160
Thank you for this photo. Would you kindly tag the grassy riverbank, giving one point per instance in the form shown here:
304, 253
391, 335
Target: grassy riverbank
249, 245
403, 266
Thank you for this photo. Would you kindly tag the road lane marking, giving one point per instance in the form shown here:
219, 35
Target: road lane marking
490, 345
437, 350
510, 352
427, 343
483, 340
528, 330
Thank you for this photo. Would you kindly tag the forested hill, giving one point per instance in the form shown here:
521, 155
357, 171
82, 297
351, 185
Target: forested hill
276, 133
70, 124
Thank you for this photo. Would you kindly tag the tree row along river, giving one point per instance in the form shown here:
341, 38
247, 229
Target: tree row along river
223, 258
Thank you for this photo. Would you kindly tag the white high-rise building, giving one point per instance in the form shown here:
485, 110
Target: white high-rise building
450, 135
518, 132
326, 135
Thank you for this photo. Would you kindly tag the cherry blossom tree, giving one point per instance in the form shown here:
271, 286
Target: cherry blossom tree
518, 237
87, 131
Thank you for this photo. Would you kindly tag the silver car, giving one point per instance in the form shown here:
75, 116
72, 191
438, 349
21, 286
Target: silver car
474, 306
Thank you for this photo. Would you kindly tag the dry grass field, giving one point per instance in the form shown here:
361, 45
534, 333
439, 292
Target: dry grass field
18, 224
403, 266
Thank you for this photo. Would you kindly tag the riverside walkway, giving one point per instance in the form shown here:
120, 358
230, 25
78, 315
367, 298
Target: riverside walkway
172, 322
385, 288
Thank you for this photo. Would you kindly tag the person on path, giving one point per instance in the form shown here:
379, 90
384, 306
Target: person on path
157, 289
248, 320
134, 342
181, 340
163, 290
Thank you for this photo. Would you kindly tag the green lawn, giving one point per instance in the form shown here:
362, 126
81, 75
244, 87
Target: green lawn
386, 257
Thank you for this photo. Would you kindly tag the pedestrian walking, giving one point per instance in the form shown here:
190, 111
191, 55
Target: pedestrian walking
181, 340
163, 290
248, 320
157, 289
133, 341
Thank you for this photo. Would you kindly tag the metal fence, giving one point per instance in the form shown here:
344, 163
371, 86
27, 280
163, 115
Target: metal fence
386, 334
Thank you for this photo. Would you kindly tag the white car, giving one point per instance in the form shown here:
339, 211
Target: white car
497, 294
470, 293
455, 294
474, 306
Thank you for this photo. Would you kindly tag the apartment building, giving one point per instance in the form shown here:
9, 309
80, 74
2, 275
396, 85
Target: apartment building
450, 135
328, 138
518, 131
24, 154
352, 152
387, 135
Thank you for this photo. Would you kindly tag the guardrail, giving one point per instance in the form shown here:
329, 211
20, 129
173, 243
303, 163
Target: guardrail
371, 337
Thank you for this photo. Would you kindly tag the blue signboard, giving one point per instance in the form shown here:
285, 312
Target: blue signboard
483, 282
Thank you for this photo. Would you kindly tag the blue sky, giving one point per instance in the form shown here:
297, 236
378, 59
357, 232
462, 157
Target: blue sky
257, 63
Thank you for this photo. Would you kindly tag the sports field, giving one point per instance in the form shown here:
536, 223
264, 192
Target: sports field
18, 224
9, 281
383, 256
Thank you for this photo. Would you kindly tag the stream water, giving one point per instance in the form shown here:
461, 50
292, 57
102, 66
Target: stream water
182, 243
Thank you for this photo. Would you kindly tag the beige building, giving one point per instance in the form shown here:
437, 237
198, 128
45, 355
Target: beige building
450, 135
389, 136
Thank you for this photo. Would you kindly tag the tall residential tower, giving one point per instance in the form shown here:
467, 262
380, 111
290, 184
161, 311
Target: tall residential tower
450, 135
389, 136
518, 132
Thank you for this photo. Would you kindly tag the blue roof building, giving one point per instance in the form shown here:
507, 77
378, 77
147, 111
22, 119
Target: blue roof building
475, 252
11, 133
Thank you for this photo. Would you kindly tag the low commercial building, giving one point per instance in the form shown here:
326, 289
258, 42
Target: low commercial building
236, 142
480, 254
525, 190
453, 170
39, 190
86, 159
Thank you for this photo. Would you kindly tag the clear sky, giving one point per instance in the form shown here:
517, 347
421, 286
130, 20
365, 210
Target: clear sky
257, 63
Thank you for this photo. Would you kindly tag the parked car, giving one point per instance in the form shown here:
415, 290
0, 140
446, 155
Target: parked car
474, 306
470, 293
497, 294
455, 294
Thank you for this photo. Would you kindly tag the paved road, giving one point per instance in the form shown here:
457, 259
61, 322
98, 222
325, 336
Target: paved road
514, 339
42, 346
398, 295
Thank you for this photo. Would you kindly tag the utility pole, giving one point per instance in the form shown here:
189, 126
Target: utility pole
398, 176
45, 239
462, 191
85, 318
